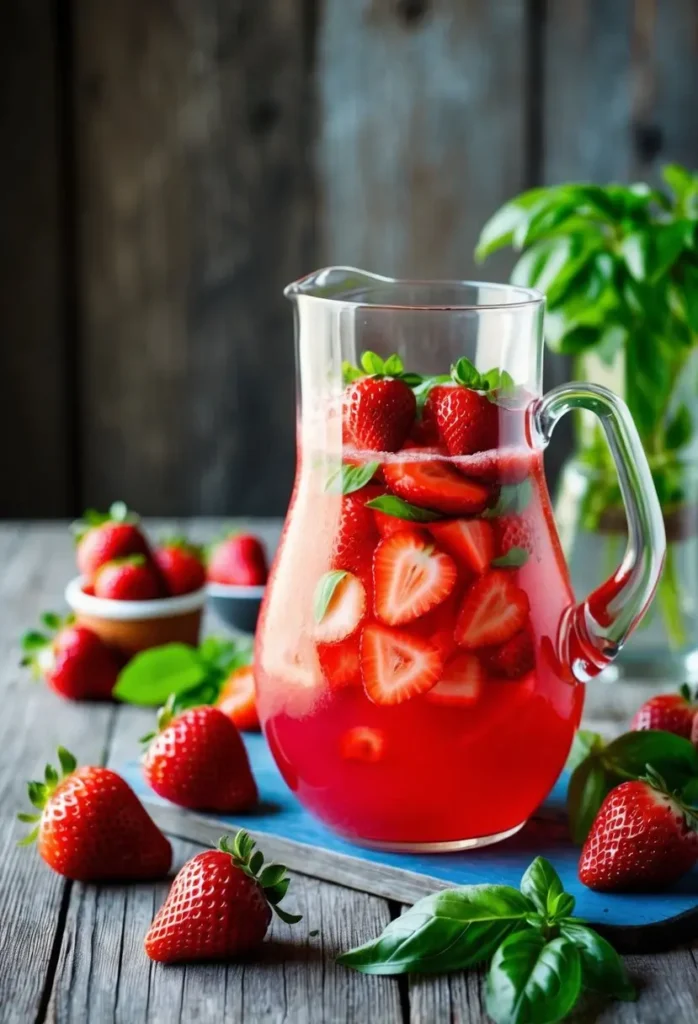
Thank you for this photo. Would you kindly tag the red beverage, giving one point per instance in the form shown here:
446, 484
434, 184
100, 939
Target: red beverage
420, 657
465, 610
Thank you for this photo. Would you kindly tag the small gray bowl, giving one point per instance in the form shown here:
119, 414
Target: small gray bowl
237, 607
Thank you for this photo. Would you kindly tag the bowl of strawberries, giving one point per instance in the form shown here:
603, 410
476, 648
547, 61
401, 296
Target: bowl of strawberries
130, 593
236, 575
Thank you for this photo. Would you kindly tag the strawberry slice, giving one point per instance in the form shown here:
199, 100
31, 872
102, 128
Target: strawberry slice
438, 626
469, 541
397, 665
345, 611
341, 662
493, 610
362, 744
461, 682
434, 484
514, 658
410, 577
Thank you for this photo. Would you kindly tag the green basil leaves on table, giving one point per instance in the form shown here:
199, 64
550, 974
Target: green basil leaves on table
446, 931
192, 675
541, 958
625, 758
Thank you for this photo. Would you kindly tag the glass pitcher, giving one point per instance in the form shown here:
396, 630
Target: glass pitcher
420, 655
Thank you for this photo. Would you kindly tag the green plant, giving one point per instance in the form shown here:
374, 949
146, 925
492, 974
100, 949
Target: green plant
541, 958
619, 267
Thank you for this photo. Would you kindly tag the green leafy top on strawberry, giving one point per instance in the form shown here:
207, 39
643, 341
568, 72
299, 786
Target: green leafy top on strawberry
462, 372
41, 792
656, 781
373, 366
119, 512
271, 878
182, 543
34, 642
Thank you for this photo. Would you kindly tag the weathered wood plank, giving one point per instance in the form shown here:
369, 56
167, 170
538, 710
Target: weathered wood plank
34, 467
191, 127
103, 974
421, 130
36, 563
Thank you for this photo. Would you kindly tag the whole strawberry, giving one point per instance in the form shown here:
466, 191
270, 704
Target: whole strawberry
239, 560
642, 838
105, 536
91, 827
128, 579
181, 565
378, 413
672, 712
72, 659
220, 905
198, 760
466, 420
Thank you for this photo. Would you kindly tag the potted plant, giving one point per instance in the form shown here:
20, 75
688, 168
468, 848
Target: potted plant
619, 267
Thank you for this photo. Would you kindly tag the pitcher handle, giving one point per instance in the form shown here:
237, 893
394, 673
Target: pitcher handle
594, 631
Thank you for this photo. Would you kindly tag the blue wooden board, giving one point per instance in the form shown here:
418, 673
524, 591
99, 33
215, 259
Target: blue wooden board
281, 815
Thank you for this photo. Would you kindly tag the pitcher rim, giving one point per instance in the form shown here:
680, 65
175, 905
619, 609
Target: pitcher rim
307, 286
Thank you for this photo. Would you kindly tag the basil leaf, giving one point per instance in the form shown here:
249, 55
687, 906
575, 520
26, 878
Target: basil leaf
541, 883
561, 906
348, 478
464, 373
602, 969
680, 430
532, 981
689, 793
372, 363
513, 559
153, 675
447, 931
400, 509
499, 229
680, 181
324, 591
586, 791
673, 757
552, 264
584, 743
513, 499
635, 249
393, 366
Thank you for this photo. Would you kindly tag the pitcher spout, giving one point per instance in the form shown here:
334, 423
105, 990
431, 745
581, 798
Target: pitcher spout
339, 283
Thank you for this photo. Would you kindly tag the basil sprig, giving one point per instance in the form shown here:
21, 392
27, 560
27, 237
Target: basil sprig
619, 267
391, 505
603, 767
541, 958
348, 478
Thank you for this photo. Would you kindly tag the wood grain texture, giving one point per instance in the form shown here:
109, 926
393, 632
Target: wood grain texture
421, 130
35, 467
33, 722
191, 122
103, 974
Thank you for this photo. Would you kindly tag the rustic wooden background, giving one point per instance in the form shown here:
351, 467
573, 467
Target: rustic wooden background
166, 167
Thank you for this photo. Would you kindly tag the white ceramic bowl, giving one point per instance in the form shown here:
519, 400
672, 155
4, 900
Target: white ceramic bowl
132, 626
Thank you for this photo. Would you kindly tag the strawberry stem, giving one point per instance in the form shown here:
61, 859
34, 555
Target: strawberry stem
271, 878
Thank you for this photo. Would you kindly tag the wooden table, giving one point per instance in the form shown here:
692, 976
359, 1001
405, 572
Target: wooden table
73, 953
